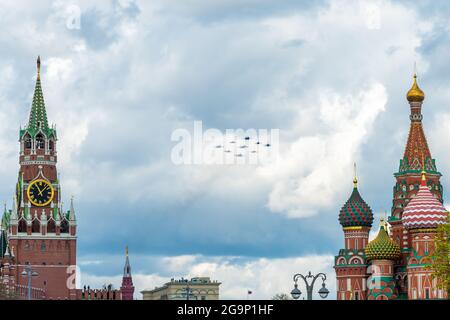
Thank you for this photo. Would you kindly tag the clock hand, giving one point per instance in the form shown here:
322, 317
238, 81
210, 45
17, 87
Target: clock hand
39, 190
46, 187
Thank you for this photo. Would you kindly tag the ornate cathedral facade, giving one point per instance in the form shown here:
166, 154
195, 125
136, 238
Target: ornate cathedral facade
393, 265
38, 238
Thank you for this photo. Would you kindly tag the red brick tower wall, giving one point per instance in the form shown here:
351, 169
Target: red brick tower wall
421, 284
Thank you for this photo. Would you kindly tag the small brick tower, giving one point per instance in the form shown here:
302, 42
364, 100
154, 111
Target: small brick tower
356, 219
127, 287
423, 214
381, 252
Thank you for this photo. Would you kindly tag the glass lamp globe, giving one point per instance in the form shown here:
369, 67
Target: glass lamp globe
296, 293
323, 292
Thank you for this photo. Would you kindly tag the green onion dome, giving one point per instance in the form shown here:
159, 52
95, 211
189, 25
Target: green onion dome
382, 247
356, 212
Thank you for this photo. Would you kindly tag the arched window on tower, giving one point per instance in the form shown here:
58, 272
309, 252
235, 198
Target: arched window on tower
27, 142
51, 228
22, 225
40, 142
64, 226
36, 226
51, 144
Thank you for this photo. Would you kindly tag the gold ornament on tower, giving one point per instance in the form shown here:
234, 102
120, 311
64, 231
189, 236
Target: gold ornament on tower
415, 93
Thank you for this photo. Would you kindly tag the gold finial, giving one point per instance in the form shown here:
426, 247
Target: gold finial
415, 93
383, 222
126, 251
355, 180
39, 67
423, 167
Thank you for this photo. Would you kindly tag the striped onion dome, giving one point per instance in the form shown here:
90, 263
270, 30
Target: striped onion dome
356, 212
424, 210
382, 247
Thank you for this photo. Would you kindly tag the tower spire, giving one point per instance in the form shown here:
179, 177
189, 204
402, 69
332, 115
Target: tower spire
127, 268
72, 210
39, 67
38, 114
417, 145
355, 180
127, 287
423, 178
383, 221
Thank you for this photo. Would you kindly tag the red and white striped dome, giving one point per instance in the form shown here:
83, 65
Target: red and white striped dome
424, 211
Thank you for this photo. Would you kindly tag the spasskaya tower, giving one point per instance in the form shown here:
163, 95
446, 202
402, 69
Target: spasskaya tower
40, 234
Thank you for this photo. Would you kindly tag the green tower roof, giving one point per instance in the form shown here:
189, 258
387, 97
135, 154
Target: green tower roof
382, 247
38, 114
355, 212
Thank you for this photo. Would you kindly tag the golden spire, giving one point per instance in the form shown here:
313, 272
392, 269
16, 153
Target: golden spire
126, 251
415, 93
423, 168
355, 180
383, 222
39, 67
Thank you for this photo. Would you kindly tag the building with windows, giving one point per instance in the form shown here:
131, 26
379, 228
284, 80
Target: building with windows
393, 265
37, 235
200, 288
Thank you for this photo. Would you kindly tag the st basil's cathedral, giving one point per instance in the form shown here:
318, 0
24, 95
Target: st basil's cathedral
393, 264
38, 239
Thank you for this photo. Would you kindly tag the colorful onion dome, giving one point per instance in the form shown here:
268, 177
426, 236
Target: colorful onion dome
382, 247
415, 93
424, 210
356, 212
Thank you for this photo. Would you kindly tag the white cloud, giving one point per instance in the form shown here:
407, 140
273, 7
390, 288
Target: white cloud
316, 168
264, 277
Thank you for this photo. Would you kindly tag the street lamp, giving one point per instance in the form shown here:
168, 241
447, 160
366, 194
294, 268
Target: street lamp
323, 292
296, 293
28, 272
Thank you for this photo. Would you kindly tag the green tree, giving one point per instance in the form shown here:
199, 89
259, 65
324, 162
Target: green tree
440, 264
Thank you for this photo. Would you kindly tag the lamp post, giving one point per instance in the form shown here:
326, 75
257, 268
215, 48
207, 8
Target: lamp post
323, 292
28, 272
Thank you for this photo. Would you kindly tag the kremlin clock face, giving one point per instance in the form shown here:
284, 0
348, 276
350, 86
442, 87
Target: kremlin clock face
40, 192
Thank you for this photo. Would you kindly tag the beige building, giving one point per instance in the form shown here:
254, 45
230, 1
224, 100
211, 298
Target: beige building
200, 288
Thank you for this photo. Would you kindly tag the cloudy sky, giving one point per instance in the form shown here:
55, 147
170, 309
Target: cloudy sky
120, 76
